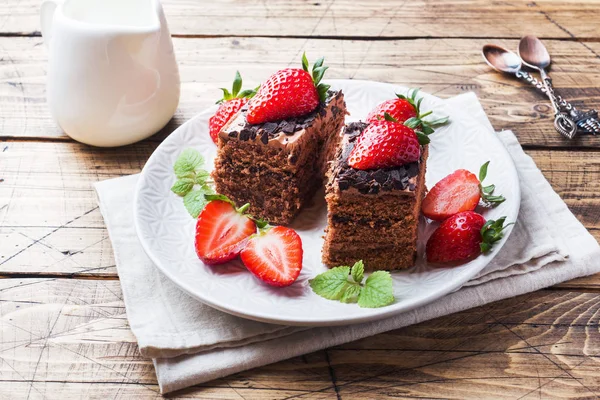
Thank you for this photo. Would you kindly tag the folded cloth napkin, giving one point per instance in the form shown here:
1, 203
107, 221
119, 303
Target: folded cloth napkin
191, 343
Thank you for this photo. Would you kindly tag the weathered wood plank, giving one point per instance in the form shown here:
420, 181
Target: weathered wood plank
343, 18
50, 223
444, 67
66, 338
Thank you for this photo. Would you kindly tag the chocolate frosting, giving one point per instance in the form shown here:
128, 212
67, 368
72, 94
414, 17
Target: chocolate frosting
271, 130
370, 181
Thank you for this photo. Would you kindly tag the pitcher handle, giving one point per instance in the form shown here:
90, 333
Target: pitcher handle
46, 17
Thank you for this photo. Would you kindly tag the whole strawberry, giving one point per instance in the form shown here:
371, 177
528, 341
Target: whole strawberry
401, 108
229, 105
290, 92
385, 144
462, 237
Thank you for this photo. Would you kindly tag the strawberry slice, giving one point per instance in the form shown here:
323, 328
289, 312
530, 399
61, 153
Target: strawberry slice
274, 256
222, 231
457, 192
460, 191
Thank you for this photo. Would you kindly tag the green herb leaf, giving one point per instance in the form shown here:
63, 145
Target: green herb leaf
491, 232
194, 202
181, 187
237, 84
351, 293
187, 162
222, 197
488, 191
318, 74
378, 290
322, 91
331, 284
318, 63
483, 171
423, 138
202, 176
304, 62
358, 271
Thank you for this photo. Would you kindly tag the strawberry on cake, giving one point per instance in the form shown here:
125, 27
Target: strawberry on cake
273, 153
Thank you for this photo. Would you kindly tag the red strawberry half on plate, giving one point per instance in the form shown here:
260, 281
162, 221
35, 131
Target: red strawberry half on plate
274, 256
222, 231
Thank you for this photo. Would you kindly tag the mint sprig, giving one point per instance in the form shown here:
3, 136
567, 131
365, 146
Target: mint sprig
345, 284
193, 182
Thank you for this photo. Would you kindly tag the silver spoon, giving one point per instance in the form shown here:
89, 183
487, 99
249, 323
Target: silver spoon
535, 55
504, 60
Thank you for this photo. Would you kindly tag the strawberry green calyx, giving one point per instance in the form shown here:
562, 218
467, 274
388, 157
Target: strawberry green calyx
422, 137
487, 192
426, 128
318, 70
491, 232
222, 197
236, 90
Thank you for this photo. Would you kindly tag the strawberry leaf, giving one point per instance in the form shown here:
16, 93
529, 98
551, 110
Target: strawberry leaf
237, 84
304, 62
422, 138
322, 91
491, 232
486, 192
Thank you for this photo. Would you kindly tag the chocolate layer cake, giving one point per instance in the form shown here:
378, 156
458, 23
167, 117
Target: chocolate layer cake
278, 166
372, 215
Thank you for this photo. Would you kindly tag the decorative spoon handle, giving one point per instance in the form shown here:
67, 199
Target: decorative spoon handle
586, 121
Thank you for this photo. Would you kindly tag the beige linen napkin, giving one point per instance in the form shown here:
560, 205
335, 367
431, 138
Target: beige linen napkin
192, 343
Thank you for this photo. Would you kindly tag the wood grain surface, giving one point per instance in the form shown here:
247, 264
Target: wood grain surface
63, 328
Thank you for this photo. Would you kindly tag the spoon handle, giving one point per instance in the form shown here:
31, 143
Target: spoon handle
586, 121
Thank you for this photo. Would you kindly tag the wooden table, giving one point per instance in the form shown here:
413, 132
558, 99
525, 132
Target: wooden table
63, 329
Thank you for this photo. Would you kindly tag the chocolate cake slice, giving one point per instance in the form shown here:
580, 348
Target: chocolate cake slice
373, 215
278, 166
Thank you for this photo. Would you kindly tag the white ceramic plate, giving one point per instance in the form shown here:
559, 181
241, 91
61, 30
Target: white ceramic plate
166, 230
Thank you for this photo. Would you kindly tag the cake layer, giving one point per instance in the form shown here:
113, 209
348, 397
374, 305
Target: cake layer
278, 167
372, 215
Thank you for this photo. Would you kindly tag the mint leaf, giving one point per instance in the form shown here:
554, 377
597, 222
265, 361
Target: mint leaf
378, 290
194, 202
351, 293
222, 197
181, 187
202, 176
358, 271
187, 162
331, 284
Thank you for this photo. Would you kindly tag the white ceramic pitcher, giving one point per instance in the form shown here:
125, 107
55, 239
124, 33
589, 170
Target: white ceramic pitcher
112, 74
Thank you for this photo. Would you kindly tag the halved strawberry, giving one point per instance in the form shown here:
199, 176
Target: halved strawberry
222, 231
457, 192
274, 256
384, 144
229, 105
462, 237
290, 92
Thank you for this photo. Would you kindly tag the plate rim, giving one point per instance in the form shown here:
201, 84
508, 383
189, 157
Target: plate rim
378, 313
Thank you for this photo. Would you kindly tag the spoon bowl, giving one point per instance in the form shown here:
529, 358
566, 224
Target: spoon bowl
533, 53
501, 59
